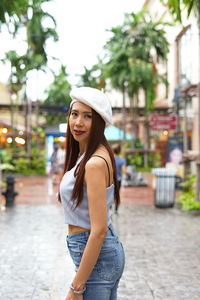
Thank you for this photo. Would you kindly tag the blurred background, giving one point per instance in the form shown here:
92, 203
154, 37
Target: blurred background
144, 54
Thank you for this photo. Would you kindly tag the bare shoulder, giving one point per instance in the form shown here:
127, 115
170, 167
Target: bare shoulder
94, 172
100, 166
97, 160
94, 163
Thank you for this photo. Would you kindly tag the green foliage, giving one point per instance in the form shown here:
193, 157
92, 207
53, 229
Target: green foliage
33, 164
19, 68
30, 165
146, 35
6, 167
6, 156
29, 15
117, 67
58, 94
127, 145
10, 8
143, 169
6, 161
2, 184
188, 197
132, 54
138, 143
37, 35
176, 7
154, 160
93, 77
22, 165
37, 164
137, 159
15, 11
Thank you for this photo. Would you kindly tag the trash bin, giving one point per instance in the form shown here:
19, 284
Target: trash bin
164, 187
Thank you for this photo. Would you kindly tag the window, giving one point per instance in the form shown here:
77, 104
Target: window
184, 59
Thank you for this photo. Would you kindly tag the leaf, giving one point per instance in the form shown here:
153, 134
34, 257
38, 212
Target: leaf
8, 167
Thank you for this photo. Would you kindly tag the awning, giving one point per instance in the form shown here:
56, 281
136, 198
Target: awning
113, 133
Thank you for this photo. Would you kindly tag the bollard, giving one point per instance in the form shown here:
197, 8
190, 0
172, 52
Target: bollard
10, 193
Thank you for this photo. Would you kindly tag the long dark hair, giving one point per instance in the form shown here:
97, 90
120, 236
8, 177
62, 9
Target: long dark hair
96, 139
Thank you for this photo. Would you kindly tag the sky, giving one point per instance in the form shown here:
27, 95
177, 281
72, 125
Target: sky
81, 26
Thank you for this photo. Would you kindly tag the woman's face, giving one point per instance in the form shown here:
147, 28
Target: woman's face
80, 122
176, 156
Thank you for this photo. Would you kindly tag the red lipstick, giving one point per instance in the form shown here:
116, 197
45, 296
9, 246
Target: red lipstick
79, 132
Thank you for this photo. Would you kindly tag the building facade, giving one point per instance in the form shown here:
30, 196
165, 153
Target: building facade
182, 70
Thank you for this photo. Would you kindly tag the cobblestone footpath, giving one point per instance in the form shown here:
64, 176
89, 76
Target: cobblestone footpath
162, 253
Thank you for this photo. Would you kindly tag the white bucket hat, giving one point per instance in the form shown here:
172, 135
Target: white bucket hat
94, 98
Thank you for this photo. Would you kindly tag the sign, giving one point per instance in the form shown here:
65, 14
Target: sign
163, 122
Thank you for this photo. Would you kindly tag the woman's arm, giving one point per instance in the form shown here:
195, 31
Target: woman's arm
96, 191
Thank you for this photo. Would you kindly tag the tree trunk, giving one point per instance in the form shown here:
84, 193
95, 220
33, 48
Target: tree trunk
134, 119
147, 132
185, 141
124, 114
29, 125
37, 109
12, 117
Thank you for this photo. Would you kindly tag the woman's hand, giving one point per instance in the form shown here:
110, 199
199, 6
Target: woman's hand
72, 296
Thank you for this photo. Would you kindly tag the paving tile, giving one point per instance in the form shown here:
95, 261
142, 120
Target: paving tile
161, 246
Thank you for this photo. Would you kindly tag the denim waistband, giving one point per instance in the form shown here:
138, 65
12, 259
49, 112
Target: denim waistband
85, 235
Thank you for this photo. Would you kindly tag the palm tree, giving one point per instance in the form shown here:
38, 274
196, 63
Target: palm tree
17, 80
58, 94
93, 77
176, 7
28, 14
12, 10
132, 55
117, 67
37, 36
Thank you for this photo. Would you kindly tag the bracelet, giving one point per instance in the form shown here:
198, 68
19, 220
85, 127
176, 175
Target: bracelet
78, 292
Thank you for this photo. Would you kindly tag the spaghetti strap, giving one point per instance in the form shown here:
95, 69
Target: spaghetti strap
106, 164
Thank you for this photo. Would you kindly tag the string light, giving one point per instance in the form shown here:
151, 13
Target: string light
19, 140
165, 132
4, 130
9, 140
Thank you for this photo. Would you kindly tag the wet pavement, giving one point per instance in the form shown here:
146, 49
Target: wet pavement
39, 190
162, 247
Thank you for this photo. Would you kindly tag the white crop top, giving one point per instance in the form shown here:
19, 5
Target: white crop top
79, 216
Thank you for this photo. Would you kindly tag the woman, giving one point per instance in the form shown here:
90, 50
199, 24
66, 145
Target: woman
120, 163
60, 160
87, 191
54, 168
120, 166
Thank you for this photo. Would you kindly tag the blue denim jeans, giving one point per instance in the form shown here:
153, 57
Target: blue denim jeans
104, 279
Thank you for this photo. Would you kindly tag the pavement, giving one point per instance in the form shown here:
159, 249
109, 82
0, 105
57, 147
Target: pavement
161, 246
